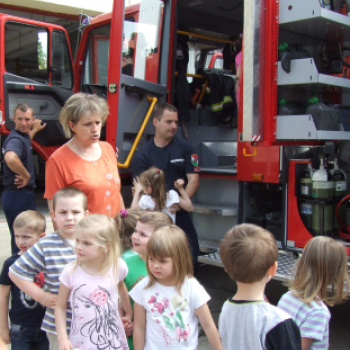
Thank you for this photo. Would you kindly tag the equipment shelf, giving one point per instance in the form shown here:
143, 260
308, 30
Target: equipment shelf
309, 18
302, 127
304, 72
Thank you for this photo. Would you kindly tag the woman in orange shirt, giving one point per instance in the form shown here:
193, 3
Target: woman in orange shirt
84, 161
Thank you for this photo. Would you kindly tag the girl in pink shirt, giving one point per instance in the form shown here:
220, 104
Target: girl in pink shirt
92, 284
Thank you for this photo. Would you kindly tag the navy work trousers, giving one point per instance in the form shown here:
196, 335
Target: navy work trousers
13, 203
183, 220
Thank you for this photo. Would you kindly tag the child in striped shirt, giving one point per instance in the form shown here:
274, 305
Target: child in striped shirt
323, 265
50, 255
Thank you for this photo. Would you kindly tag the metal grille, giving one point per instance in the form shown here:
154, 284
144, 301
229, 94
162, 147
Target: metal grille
286, 262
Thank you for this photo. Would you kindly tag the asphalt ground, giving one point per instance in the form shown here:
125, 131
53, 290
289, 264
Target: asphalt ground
217, 284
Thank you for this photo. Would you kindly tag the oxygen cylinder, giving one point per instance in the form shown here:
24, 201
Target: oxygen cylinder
340, 180
305, 209
306, 181
322, 188
306, 214
340, 185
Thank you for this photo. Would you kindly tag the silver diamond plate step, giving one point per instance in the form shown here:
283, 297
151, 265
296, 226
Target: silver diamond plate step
215, 209
286, 262
208, 245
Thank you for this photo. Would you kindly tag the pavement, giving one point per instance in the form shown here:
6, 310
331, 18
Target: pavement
219, 286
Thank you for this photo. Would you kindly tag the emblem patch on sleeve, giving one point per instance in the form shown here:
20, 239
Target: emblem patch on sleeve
194, 159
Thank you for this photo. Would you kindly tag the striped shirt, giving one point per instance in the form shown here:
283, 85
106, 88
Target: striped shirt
313, 319
49, 255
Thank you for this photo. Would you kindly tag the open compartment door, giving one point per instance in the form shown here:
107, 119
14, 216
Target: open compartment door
137, 75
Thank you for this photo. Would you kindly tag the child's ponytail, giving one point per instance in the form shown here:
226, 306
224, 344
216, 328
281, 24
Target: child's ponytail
155, 178
126, 222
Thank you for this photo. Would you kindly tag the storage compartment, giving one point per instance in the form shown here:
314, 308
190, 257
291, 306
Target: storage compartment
322, 33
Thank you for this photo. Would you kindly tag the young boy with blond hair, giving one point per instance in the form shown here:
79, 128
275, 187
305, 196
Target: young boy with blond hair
26, 314
50, 255
247, 322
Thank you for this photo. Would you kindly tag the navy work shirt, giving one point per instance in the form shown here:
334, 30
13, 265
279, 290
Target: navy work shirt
20, 144
176, 160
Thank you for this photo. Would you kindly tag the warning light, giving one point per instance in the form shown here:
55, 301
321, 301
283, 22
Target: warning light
29, 87
257, 177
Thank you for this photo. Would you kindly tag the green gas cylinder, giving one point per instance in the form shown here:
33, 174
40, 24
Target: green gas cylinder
340, 185
305, 209
340, 180
322, 189
306, 181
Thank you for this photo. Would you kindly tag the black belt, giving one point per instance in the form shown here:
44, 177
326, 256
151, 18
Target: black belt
14, 188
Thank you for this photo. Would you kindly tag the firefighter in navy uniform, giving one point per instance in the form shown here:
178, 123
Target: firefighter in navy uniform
176, 157
19, 173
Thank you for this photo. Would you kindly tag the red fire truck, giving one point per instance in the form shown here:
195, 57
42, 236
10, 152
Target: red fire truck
251, 165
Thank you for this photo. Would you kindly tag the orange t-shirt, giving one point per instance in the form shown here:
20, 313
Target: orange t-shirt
100, 182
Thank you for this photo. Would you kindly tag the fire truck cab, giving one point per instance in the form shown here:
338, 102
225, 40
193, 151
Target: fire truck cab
251, 155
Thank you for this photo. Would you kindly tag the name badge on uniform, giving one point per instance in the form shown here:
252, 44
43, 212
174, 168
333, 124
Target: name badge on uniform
179, 160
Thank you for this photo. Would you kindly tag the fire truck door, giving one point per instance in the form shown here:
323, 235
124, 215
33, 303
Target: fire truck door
36, 68
137, 74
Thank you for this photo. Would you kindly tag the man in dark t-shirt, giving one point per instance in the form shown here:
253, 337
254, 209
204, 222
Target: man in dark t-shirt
176, 157
19, 173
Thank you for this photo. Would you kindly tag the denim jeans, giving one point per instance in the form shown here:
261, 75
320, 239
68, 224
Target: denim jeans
13, 203
28, 338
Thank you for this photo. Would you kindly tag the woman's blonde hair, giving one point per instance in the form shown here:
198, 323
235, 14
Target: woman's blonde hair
126, 222
104, 231
81, 104
171, 242
154, 177
322, 272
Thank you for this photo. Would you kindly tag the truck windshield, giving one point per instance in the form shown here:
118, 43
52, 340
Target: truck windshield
26, 48
140, 52
96, 59
61, 72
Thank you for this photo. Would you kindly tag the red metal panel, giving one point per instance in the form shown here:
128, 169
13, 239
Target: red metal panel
114, 68
296, 230
258, 160
270, 74
171, 59
3, 129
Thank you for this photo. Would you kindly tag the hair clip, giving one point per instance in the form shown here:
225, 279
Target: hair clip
158, 171
123, 213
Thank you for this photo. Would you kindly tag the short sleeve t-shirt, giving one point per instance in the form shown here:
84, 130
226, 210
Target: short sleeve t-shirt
171, 321
257, 325
100, 182
24, 310
94, 302
137, 271
176, 160
146, 203
313, 319
238, 59
20, 144
49, 255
